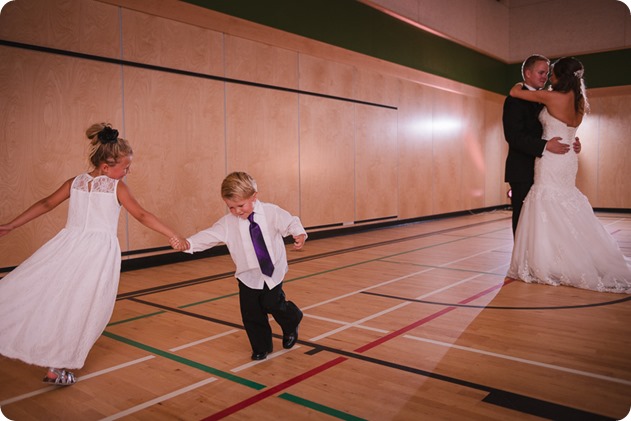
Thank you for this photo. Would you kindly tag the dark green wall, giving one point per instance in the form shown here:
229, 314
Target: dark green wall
354, 26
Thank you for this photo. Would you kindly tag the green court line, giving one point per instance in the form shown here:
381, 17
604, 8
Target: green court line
320, 408
186, 361
231, 377
155, 313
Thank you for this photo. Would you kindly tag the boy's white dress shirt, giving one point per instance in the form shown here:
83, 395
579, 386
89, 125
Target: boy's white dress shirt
233, 231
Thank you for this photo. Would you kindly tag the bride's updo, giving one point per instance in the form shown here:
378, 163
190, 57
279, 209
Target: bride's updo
569, 73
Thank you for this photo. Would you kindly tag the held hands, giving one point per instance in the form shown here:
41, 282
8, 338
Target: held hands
179, 244
299, 241
557, 147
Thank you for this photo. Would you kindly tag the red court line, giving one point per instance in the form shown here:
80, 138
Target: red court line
275, 389
427, 319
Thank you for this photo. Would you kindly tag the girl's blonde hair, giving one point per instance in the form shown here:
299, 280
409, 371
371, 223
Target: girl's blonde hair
105, 145
238, 185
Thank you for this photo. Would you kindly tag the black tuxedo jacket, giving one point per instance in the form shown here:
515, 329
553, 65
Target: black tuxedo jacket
522, 131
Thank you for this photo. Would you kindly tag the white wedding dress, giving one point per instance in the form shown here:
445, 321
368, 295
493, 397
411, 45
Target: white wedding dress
559, 240
55, 305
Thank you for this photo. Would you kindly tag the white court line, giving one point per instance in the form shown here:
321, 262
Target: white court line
356, 324
269, 357
522, 360
340, 322
112, 369
159, 399
88, 376
201, 341
381, 313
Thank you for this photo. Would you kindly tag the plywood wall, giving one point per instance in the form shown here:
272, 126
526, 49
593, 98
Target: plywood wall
332, 136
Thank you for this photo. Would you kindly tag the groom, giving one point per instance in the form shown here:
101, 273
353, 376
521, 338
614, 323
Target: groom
523, 132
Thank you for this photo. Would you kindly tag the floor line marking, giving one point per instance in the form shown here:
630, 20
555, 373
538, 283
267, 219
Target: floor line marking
521, 360
269, 357
159, 399
273, 390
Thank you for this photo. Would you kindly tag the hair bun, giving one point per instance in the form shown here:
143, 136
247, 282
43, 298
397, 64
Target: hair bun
108, 135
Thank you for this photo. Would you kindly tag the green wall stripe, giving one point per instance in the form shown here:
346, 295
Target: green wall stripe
357, 27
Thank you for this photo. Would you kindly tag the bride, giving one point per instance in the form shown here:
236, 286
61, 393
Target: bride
559, 240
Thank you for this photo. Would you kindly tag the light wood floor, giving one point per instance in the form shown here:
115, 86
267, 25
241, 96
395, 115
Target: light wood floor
414, 322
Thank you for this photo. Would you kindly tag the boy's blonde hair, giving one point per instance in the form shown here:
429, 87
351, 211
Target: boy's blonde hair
238, 185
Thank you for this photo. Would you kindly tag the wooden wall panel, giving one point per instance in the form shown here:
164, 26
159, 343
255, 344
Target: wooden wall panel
426, 150
326, 77
587, 176
167, 43
415, 164
327, 161
474, 165
46, 104
84, 26
176, 127
495, 151
376, 195
447, 133
261, 63
376, 88
262, 139
614, 153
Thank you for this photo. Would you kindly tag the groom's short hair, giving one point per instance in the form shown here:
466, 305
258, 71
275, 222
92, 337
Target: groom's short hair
530, 62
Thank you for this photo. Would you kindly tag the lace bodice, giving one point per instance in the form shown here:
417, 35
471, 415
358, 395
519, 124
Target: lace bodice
553, 169
93, 204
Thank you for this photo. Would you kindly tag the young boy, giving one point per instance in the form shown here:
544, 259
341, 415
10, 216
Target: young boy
260, 268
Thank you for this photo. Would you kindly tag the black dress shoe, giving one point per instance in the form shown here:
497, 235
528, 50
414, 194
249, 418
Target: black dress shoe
256, 356
290, 340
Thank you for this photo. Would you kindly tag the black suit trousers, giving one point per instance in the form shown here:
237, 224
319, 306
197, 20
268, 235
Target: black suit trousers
256, 304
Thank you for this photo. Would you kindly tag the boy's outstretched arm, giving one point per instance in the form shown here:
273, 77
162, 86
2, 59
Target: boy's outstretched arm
299, 241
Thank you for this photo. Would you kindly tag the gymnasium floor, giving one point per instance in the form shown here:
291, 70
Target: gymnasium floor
414, 322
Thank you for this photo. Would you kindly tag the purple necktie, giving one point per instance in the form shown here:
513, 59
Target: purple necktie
265, 261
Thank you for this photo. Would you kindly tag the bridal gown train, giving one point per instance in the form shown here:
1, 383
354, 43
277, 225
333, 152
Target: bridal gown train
559, 240
55, 305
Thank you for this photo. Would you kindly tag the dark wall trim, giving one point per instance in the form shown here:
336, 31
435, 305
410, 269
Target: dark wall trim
146, 66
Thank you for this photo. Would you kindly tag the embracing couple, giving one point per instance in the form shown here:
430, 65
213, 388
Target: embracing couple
558, 239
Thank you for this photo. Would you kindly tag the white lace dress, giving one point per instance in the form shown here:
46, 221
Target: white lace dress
559, 240
55, 305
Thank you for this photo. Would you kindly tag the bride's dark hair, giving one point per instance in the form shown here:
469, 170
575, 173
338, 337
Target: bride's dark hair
569, 73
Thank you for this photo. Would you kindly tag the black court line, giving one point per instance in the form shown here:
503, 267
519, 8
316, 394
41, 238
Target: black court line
498, 397
224, 275
600, 304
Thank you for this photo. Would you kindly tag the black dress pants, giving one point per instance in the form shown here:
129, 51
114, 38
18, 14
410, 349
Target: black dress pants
256, 304
519, 191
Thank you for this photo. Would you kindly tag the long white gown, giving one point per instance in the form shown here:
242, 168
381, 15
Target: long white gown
559, 240
55, 305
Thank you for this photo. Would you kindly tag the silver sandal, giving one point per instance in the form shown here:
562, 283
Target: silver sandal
64, 378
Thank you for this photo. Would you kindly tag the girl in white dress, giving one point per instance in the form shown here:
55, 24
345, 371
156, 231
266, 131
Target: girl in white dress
559, 240
55, 305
